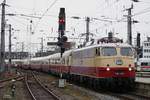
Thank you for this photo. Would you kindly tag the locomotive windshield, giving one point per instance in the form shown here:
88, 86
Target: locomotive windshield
109, 51
126, 51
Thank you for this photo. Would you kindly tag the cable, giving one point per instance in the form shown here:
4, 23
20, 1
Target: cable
18, 21
44, 14
108, 24
109, 5
142, 12
48, 8
19, 8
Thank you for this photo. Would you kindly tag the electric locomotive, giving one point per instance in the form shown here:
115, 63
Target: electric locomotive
107, 63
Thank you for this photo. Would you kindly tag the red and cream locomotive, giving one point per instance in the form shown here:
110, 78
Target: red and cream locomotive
103, 64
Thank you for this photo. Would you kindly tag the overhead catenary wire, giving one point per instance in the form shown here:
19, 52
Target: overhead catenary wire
18, 21
100, 19
111, 4
108, 5
105, 4
20, 8
110, 23
141, 12
51, 5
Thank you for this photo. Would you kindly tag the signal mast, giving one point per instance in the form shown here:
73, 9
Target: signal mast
62, 39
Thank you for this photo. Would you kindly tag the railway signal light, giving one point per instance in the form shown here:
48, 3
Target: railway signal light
61, 29
61, 21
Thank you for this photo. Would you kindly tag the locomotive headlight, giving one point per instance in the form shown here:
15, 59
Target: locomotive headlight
130, 69
108, 69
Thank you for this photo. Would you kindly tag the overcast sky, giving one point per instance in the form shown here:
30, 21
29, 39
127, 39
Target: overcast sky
112, 10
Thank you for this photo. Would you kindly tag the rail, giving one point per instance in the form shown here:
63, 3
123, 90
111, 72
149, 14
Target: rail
17, 78
128, 96
48, 90
29, 89
9, 79
45, 92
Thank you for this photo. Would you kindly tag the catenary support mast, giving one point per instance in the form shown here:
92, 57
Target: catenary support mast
2, 48
87, 29
129, 26
9, 47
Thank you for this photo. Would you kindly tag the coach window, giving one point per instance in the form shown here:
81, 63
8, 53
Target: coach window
49, 61
58, 61
63, 61
52, 61
109, 51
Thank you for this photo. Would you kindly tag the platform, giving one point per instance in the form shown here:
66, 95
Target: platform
143, 79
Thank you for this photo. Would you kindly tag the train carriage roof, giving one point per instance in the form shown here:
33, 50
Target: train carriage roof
67, 53
54, 56
38, 59
57, 55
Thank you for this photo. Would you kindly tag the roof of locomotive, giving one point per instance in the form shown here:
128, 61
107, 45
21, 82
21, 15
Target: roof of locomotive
105, 45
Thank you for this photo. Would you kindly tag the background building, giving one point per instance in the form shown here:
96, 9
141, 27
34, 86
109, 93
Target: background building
16, 55
146, 48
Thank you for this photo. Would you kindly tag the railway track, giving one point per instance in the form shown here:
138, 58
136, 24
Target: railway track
9, 79
121, 96
37, 90
17, 78
129, 96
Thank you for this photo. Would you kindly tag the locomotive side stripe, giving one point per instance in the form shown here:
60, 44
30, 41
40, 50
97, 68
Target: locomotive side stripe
101, 72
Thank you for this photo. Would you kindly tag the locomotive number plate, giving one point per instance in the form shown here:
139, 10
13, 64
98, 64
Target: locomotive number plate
119, 62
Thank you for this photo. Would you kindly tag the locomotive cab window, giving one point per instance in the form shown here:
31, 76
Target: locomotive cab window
126, 51
109, 51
